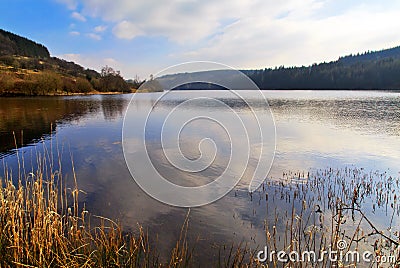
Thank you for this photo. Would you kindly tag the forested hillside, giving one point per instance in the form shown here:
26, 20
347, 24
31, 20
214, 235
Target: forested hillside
27, 68
393, 53
379, 70
12, 44
371, 70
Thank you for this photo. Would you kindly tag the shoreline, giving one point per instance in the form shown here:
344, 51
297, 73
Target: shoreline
65, 94
11, 95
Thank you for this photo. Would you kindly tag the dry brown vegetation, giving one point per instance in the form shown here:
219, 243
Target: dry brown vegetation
41, 83
52, 76
43, 223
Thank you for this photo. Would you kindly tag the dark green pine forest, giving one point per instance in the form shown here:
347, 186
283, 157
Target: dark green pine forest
12, 44
371, 70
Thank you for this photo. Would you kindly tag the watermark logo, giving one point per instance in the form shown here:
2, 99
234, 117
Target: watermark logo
340, 255
226, 134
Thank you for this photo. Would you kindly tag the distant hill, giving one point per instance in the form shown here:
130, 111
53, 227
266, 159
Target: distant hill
12, 44
218, 76
391, 53
379, 70
27, 68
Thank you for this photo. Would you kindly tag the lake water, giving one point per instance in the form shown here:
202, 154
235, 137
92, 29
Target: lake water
315, 131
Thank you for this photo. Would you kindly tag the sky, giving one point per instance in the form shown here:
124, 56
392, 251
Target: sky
143, 37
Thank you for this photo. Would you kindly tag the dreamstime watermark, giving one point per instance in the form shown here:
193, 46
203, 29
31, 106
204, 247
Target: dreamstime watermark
340, 255
154, 134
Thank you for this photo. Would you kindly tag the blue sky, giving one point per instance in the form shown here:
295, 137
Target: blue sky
142, 37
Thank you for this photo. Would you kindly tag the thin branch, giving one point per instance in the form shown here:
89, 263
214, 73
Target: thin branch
397, 243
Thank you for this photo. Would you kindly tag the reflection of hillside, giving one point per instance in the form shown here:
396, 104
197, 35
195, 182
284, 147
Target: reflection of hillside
371, 115
33, 118
374, 115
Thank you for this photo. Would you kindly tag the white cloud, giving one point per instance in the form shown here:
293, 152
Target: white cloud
94, 36
296, 41
249, 34
100, 28
74, 33
183, 21
126, 30
78, 16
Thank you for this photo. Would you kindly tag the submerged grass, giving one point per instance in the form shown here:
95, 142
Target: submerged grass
334, 210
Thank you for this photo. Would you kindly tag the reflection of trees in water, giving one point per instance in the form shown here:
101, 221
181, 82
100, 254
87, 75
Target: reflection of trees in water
39, 116
33, 118
374, 115
113, 106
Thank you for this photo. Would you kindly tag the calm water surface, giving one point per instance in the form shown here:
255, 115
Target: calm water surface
314, 130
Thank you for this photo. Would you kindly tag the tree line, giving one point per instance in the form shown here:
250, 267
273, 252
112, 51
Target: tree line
12, 44
371, 70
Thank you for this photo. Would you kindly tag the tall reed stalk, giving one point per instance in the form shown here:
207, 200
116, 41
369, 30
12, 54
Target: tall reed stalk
42, 225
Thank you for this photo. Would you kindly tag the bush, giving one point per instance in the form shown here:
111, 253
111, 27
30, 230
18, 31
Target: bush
26, 87
9, 61
49, 83
83, 85
6, 83
113, 83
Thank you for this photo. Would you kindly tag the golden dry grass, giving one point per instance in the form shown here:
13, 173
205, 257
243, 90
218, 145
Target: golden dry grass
42, 225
